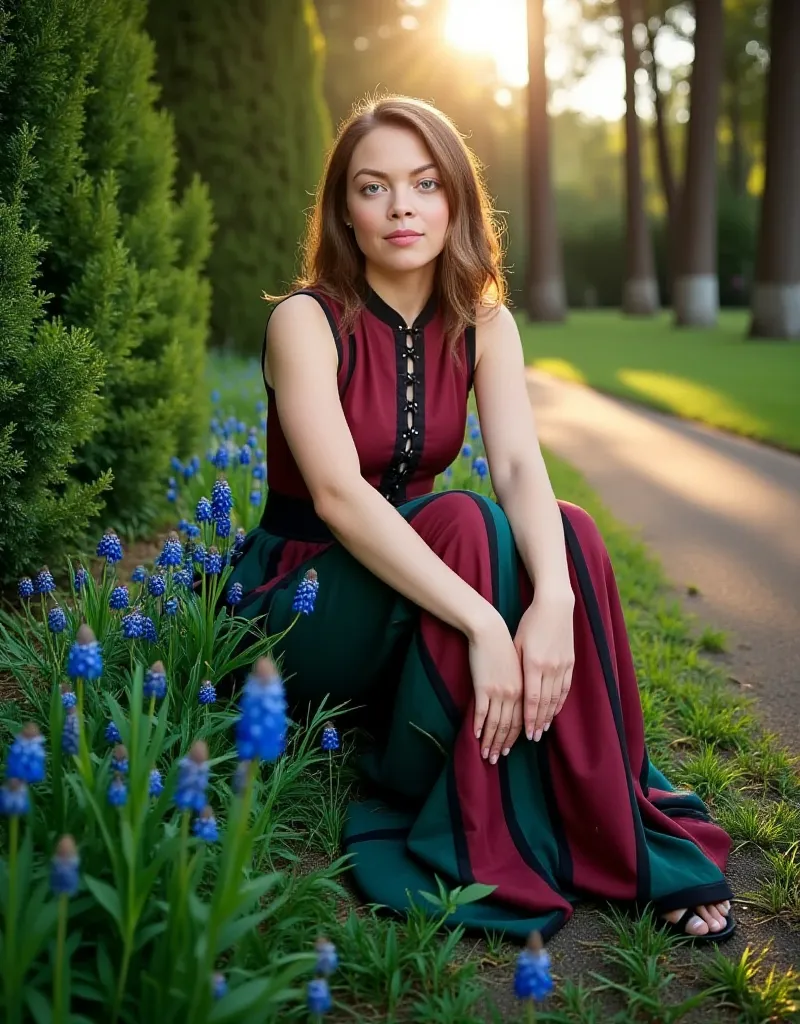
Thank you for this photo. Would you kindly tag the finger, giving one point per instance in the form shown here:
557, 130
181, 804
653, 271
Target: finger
481, 708
544, 703
503, 729
532, 684
516, 728
564, 690
490, 728
555, 698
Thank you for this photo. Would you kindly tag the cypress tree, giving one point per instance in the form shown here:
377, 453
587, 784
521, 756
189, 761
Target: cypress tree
243, 81
120, 260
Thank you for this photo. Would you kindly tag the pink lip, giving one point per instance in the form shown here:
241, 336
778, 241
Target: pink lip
403, 237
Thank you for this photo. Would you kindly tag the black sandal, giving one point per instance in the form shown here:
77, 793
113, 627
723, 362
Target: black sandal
679, 928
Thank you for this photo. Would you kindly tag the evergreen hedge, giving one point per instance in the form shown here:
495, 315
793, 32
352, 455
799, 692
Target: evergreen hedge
243, 81
122, 308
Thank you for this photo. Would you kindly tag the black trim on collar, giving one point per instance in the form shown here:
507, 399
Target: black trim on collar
383, 311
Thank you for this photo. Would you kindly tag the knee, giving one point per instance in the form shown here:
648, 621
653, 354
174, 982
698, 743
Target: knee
584, 525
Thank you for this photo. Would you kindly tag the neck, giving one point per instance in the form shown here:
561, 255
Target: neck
407, 292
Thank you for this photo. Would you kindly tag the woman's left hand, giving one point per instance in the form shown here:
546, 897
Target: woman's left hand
545, 644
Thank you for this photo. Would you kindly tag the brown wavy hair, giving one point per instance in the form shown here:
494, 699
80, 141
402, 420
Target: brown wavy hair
469, 269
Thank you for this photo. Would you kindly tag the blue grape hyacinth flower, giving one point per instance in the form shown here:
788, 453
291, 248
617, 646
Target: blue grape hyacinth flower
224, 527
475, 434
235, 594
172, 553
117, 791
184, 577
219, 986
26, 756
221, 499
199, 554
171, 606
172, 494
213, 562
70, 736
156, 585
261, 727
318, 996
330, 737
260, 472
110, 547
139, 574
43, 582
25, 588
156, 787
81, 579
239, 539
207, 693
204, 826
480, 466
203, 511
56, 620
255, 498
14, 799
155, 681
306, 593
221, 457
245, 455
193, 772
112, 733
119, 759
149, 631
64, 868
466, 451
532, 978
85, 658
119, 599
133, 625
327, 957
68, 696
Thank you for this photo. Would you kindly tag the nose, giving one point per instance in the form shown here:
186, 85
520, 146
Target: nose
402, 205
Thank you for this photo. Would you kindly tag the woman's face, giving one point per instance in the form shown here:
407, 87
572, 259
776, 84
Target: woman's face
396, 201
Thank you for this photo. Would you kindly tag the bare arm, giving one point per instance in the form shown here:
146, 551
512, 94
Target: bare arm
519, 475
301, 365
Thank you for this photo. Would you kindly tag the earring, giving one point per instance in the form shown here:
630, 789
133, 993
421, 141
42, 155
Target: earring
348, 224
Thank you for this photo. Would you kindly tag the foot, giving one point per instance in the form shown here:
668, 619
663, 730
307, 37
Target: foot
709, 918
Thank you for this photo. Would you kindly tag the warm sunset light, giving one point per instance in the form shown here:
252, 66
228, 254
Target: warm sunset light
495, 28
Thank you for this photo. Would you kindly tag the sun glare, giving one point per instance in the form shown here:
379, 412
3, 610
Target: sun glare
495, 28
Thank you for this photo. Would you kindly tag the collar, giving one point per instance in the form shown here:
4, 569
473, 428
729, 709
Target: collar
383, 311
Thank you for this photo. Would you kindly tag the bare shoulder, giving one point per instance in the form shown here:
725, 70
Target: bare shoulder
298, 332
297, 311
495, 325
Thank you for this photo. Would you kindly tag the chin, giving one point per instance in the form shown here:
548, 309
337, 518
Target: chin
406, 260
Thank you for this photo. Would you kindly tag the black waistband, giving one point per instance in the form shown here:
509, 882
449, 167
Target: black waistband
293, 518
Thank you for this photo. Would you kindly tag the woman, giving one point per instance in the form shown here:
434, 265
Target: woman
514, 752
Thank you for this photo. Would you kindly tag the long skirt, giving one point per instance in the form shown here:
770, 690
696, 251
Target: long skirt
580, 814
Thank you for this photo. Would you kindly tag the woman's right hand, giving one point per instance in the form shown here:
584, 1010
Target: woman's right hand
498, 684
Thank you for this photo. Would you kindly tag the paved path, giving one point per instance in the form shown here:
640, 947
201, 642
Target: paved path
721, 512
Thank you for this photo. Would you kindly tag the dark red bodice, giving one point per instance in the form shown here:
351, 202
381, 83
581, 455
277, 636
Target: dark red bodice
404, 396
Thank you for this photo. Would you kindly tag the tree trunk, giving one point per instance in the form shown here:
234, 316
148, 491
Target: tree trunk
640, 288
776, 294
666, 171
696, 298
736, 168
546, 294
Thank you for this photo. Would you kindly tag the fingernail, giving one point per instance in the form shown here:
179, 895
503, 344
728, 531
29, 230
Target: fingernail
506, 751
493, 759
538, 735
529, 733
478, 734
547, 726
485, 753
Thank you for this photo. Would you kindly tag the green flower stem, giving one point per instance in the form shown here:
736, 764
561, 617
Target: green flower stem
11, 920
151, 710
84, 761
530, 1012
60, 1011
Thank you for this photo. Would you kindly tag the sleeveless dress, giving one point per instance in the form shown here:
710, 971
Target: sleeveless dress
582, 813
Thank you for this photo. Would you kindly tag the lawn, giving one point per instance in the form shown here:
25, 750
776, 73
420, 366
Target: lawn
716, 376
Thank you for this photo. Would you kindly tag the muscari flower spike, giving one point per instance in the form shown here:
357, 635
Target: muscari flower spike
43, 582
466, 451
260, 472
110, 547
480, 466
193, 771
207, 693
205, 826
221, 457
224, 527
318, 996
172, 494
25, 588
81, 579
184, 577
85, 659
26, 756
532, 978
255, 498
235, 594
156, 585
203, 511
149, 631
199, 554
172, 553
244, 456
71, 733
221, 499
261, 727
117, 791
330, 737
119, 599
14, 800
112, 733
68, 696
213, 562
306, 593
119, 759
475, 434
64, 868
156, 783
155, 681
171, 606
219, 986
139, 574
239, 539
56, 620
327, 957
133, 625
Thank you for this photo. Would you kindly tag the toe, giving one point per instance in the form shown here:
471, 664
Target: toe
697, 926
710, 918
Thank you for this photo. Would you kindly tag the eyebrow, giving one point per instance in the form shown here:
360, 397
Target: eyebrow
379, 174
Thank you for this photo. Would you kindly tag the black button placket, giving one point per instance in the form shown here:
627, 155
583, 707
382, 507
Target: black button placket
409, 438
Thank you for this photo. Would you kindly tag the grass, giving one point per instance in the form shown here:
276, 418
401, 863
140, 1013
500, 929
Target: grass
714, 376
699, 732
